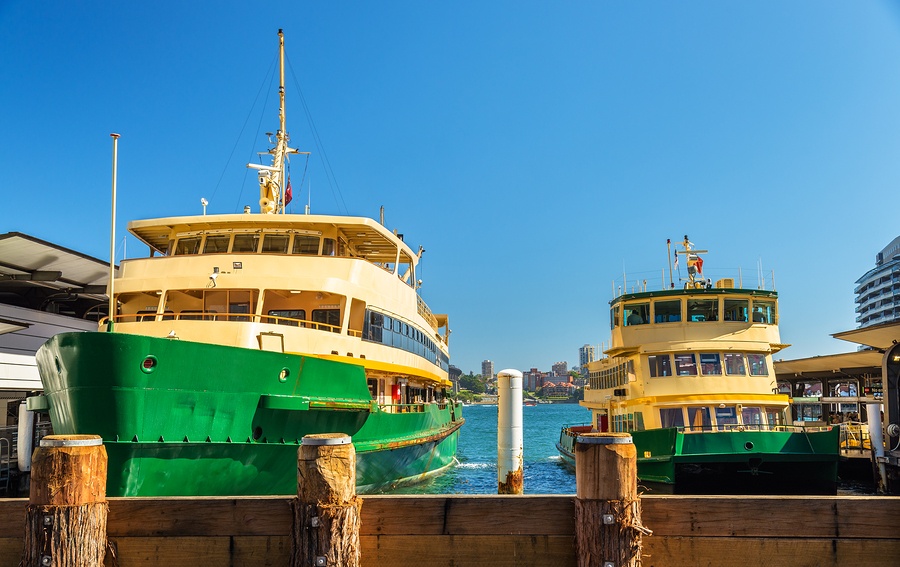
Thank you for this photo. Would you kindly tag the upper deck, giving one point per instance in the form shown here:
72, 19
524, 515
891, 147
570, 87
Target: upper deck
351, 236
694, 318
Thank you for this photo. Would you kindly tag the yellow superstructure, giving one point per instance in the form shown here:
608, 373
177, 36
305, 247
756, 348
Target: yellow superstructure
698, 357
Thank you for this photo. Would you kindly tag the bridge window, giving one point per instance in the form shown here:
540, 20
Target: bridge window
275, 243
637, 314
764, 312
305, 244
216, 244
187, 246
247, 243
703, 310
736, 310
667, 311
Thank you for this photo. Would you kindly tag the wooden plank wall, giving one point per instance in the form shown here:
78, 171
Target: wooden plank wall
498, 531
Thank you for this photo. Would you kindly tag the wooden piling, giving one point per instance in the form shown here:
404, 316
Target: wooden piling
327, 510
67, 509
608, 528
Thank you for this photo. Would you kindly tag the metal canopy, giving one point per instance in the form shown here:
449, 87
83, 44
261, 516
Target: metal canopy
877, 336
36, 274
831, 366
26, 260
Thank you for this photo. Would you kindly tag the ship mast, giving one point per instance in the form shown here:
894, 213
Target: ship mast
272, 177
694, 263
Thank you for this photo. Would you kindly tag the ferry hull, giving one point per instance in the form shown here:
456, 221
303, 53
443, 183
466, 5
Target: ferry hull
730, 462
185, 418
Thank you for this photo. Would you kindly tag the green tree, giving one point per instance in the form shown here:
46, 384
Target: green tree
471, 383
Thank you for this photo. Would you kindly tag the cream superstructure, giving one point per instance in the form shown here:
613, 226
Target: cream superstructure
333, 287
698, 357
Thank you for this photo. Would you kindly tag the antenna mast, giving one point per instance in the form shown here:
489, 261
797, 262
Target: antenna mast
271, 177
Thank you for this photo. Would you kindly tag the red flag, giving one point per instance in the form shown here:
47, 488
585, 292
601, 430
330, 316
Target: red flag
699, 265
288, 195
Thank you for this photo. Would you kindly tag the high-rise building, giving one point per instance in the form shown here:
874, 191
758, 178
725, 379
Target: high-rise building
532, 380
560, 369
487, 370
585, 355
878, 290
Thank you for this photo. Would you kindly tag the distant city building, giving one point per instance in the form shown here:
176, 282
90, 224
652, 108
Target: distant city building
532, 380
585, 355
487, 370
560, 369
558, 390
878, 290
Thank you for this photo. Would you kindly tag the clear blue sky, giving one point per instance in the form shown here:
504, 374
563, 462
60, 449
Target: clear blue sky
535, 149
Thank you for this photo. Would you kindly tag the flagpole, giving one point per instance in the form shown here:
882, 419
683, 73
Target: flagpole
669, 255
112, 236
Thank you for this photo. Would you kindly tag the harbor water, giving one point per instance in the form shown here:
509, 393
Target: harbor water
476, 472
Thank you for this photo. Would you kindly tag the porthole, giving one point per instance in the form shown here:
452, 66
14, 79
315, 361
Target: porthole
149, 364
748, 445
58, 366
283, 375
257, 433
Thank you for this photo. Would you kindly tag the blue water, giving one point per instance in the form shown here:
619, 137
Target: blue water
476, 472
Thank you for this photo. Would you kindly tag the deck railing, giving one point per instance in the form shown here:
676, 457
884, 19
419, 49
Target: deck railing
574, 430
855, 438
190, 315
726, 427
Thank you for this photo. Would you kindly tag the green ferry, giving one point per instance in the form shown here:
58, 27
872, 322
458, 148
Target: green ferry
689, 375
239, 334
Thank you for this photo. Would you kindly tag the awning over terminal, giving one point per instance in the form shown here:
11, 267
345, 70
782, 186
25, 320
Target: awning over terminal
850, 364
877, 336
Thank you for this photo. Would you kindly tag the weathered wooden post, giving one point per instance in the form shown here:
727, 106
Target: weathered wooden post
608, 527
65, 521
327, 510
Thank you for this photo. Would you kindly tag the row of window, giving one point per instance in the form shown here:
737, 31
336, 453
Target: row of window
253, 242
330, 318
611, 377
390, 331
707, 364
704, 418
721, 417
693, 310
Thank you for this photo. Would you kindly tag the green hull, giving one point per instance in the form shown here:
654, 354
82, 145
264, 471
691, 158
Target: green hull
738, 462
184, 418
